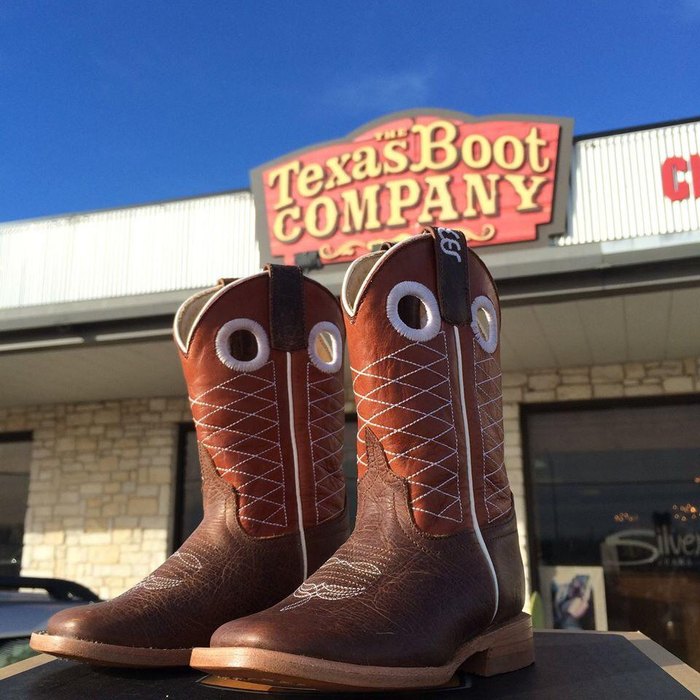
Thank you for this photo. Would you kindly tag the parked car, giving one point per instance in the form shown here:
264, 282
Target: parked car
26, 604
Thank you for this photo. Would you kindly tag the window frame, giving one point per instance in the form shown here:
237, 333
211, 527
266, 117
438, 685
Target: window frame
183, 430
22, 436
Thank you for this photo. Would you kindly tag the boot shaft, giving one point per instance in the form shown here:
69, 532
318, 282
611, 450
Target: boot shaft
262, 359
423, 321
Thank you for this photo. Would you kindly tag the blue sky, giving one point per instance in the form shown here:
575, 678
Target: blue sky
108, 103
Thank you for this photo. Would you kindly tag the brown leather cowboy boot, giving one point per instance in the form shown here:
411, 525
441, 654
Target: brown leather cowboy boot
262, 359
431, 579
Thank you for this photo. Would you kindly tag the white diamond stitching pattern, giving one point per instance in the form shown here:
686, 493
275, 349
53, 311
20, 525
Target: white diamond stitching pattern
487, 383
423, 441
228, 418
326, 398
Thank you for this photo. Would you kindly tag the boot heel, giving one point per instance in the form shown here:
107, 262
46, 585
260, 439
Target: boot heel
506, 649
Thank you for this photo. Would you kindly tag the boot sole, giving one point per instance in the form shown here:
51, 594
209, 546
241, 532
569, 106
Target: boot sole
98, 654
507, 647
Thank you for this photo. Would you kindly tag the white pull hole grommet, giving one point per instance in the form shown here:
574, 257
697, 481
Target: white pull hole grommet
485, 323
413, 311
242, 345
326, 347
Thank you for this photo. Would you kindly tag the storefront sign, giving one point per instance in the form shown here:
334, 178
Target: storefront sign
658, 548
677, 174
499, 179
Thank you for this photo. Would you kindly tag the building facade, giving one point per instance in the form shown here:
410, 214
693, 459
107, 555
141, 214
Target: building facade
601, 373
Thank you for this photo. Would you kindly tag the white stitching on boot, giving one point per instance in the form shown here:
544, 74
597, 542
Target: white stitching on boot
190, 564
489, 409
340, 578
433, 452
326, 399
219, 412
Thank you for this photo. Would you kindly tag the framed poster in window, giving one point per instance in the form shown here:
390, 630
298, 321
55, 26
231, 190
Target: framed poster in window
573, 597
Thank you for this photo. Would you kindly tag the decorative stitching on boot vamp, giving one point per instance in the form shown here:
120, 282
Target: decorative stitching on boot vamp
342, 576
176, 569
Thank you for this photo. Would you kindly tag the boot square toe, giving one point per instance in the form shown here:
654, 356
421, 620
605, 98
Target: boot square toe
89, 635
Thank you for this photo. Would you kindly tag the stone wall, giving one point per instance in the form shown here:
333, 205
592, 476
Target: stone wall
632, 379
101, 489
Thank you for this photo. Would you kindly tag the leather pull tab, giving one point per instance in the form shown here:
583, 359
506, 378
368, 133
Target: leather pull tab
287, 316
452, 259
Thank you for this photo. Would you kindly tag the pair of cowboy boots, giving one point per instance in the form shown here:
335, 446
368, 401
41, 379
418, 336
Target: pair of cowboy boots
430, 580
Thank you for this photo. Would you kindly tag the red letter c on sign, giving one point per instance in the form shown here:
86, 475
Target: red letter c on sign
673, 189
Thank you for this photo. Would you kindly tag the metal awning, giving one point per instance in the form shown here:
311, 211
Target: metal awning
632, 327
92, 373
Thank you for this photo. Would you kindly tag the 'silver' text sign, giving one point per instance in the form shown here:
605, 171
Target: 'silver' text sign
500, 179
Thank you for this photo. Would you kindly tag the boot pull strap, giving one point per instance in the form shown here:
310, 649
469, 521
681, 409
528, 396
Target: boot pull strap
452, 259
287, 313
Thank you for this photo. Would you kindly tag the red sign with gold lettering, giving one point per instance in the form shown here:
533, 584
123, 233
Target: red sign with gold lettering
499, 179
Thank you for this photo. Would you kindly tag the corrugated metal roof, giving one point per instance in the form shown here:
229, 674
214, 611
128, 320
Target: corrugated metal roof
182, 244
616, 186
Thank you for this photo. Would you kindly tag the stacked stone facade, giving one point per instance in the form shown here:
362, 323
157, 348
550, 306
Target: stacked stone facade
101, 488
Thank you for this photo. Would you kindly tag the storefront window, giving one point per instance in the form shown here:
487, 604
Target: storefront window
615, 518
15, 452
188, 495
188, 511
